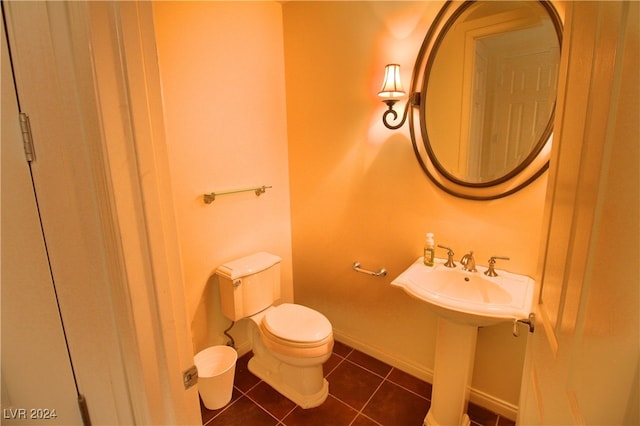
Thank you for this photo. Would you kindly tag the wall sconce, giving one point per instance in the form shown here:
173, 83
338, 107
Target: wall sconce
391, 92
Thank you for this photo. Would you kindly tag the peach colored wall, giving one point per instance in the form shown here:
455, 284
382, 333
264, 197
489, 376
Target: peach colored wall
356, 190
358, 193
222, 70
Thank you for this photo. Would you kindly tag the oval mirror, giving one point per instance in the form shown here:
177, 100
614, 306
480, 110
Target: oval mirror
487, 75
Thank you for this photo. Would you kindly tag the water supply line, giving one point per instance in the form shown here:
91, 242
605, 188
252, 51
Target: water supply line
231, 342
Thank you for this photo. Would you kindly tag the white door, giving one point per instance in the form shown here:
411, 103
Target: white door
38, 384
582, 361
525, 95
85, 74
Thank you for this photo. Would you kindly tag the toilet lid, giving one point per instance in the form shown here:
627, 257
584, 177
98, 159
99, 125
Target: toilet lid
297, 323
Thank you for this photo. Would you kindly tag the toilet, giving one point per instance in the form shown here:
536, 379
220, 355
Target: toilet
290, 342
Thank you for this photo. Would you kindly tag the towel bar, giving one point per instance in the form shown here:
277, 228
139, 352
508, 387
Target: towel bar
210, 198
381, 273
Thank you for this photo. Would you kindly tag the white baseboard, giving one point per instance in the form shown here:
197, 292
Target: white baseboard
497, 405
396, 360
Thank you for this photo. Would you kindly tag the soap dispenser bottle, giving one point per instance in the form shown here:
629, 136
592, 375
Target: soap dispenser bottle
429, 250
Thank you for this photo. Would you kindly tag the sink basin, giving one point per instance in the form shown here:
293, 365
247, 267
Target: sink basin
470, 298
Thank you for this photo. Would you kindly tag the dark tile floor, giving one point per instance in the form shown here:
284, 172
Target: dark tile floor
362, 392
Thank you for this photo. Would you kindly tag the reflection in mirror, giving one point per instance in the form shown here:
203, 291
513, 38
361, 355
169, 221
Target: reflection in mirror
489, 87
497, 67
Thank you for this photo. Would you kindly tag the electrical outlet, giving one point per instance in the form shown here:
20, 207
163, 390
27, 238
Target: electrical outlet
190, 376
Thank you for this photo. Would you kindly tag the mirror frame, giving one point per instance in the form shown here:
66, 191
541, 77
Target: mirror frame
536, 163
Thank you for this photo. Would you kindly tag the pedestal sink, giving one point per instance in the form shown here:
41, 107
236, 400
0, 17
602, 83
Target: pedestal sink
463, 301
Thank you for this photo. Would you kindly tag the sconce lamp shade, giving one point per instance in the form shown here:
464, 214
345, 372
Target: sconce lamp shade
392, 85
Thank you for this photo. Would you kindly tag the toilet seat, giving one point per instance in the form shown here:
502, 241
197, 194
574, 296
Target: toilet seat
297, 325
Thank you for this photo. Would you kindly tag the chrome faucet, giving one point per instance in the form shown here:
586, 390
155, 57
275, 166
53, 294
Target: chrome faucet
468, 262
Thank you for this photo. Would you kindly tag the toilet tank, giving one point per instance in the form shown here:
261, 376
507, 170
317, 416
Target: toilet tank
249, 285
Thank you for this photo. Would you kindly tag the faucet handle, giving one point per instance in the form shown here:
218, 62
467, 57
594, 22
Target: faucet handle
450, 263
491, 272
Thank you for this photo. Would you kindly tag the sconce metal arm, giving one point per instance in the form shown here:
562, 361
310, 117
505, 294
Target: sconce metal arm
414, 100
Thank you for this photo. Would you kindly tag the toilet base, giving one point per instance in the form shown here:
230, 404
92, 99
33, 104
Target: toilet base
305, 386
299, 379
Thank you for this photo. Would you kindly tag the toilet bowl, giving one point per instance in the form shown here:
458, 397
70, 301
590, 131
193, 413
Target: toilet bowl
290, 342
291, 363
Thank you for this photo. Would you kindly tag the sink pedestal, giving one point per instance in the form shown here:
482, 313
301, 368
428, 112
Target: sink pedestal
455, 353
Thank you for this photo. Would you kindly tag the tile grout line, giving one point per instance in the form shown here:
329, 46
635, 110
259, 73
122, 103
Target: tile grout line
242, 393
386, 378
361, 411
427, 398
257, 404
341, 359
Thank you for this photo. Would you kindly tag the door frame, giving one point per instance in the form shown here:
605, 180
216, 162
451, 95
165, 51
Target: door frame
88, 78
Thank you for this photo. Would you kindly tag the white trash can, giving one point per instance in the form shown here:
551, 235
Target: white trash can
216, 369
